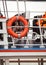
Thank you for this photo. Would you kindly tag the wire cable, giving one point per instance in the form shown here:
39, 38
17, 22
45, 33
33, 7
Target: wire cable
3, 7
25, 6
41, 34
6, 8
18, 7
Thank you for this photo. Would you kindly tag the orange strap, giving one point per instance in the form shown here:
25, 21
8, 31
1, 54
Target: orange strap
42, 20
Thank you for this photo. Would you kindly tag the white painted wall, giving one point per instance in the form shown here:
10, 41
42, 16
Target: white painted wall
35, 8
30, 6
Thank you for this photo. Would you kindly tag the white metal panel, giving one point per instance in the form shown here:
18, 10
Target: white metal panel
22, 54
4, 32
3, 20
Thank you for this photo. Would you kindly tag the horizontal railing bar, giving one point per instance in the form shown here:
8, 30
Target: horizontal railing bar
26, 26
25, 38
27, 11
36, 18
23, 44
21, 61
29, 44
3, 20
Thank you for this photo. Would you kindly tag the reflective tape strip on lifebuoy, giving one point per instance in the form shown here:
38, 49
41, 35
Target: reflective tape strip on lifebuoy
11, 32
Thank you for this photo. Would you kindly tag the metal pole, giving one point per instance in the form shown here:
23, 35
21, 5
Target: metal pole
41, 61
1, 61
18, 61
7, 61
41, 35
38, 61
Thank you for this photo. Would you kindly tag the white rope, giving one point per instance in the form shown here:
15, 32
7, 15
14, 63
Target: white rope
6, 8
40, 33
29, 11
25, 6
18, 7
3, 7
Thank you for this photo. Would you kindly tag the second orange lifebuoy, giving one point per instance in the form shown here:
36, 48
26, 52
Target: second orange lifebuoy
10, 22
42, 20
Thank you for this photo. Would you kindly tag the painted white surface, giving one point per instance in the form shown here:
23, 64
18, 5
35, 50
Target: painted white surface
30, 6
23, 54
35, 8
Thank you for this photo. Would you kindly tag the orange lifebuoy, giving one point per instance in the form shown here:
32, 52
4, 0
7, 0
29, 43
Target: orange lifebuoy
10, 22
44, 25
42, 20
